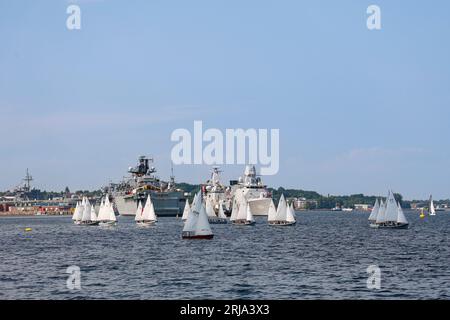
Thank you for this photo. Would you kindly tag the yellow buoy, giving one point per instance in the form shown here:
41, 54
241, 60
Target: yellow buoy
28, 229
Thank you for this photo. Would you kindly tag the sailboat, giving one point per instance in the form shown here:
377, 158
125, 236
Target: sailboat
148, 216
86, 218
244, 214
284, 215
212, 217
391, 215
138, 215
197, 225
432, 208
272, 213
187, 209
374, 213
234, 210
106, 214
221, 214
78, 213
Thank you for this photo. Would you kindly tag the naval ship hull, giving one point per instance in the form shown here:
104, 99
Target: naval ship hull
167, 204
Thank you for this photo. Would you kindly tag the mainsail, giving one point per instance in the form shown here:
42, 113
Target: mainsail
148, 213
381, 212
391, 214
138, 216
375, 210
187, 210
272, 214
432, 208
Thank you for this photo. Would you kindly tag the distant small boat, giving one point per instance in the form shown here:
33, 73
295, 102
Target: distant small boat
244, 214
432, 208
285, 215
197, 225
87, 219
106, 214
390, 215
148, 215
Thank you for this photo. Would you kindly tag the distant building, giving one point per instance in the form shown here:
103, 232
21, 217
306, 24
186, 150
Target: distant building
363, 207
305, 204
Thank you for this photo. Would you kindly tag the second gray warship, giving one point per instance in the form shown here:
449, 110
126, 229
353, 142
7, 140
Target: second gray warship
167, 199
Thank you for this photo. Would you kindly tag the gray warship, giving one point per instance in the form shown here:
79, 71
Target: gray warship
167, 199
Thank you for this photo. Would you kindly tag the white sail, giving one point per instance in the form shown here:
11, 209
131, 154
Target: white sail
221, 212
191, 222
381, 213
103, 213
249, 216
234, 210
209, 209
78, 213
282, 209
242, 211
401, 216
148, 214
187, 210
106, 213
290, 213
202, 227
432, 208
86, 211
272, 214
374, 213
138, 215
93, 214
391, 213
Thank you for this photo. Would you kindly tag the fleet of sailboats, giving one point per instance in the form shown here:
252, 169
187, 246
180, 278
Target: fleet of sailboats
84, 213
388, 214
197, 224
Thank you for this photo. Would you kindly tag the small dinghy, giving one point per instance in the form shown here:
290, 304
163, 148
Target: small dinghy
244, 215
285, 215
106, 214
147, 217
197, 225
432, 207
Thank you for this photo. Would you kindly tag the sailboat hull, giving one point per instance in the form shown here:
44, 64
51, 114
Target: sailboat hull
390, 226
107, 223
243, 222
281, 223
89, 223
217, 221
190, 236
145, 223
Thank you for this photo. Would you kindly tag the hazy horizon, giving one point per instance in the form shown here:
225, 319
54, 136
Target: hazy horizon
359, 111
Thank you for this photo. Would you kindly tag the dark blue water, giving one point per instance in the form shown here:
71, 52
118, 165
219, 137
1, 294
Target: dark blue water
325, 256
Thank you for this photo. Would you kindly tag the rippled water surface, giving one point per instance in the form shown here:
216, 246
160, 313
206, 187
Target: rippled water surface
325, 256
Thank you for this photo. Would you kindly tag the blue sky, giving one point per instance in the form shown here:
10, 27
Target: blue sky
359, 111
